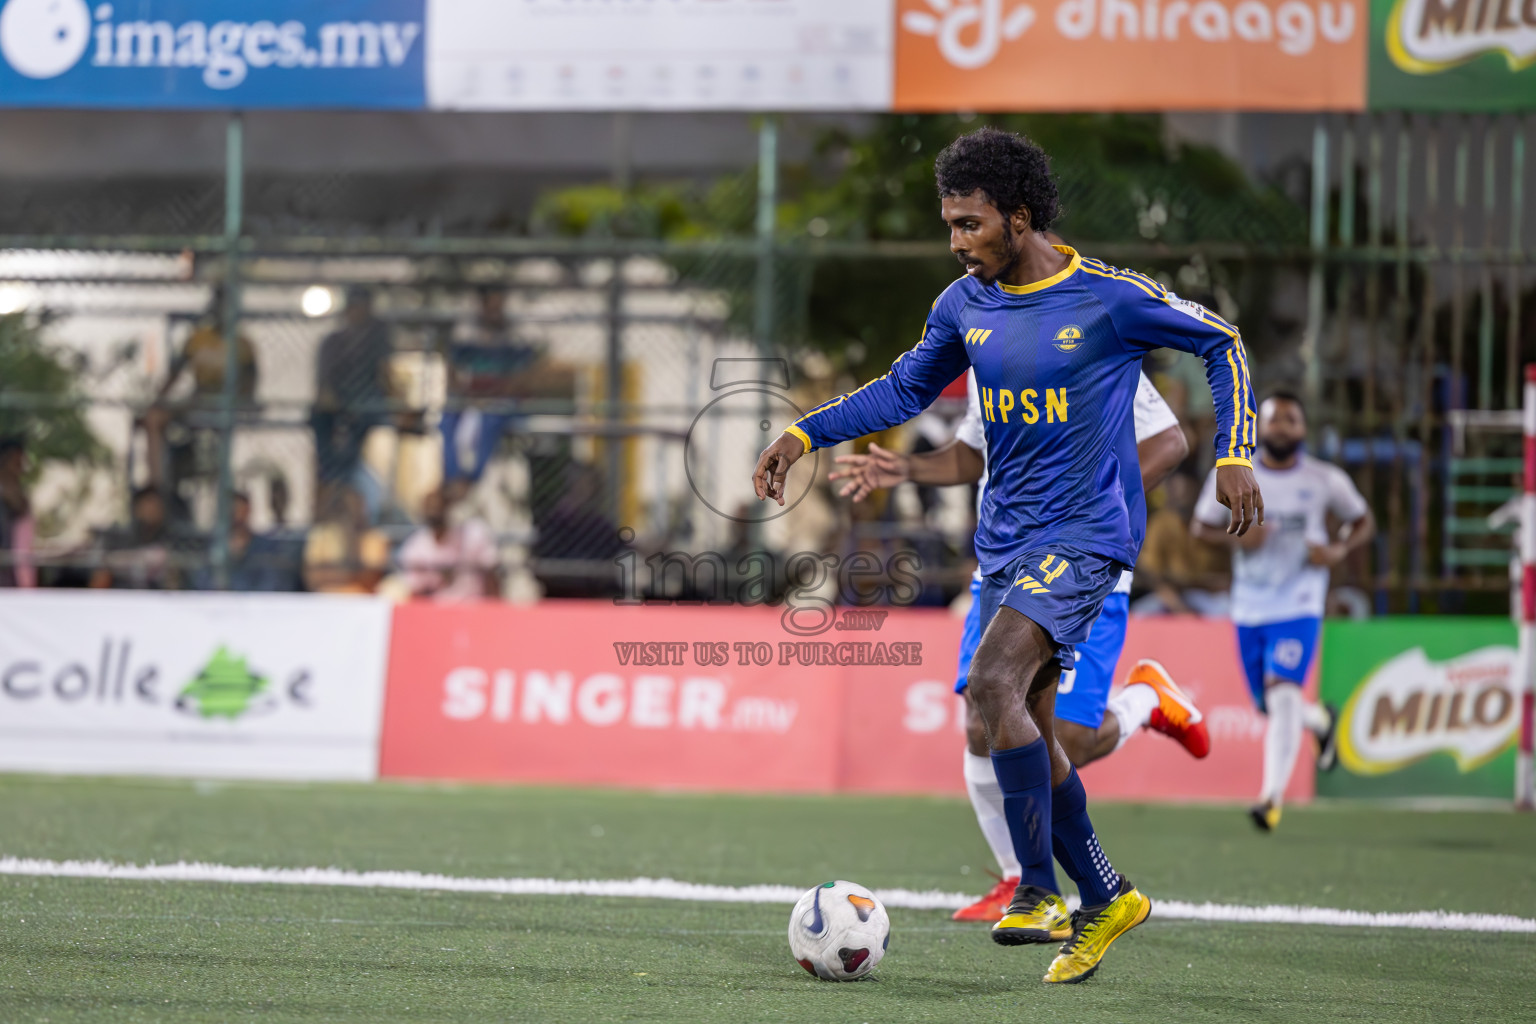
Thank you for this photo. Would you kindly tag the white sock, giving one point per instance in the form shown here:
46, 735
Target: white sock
987, 799
1133, 707
1315, 717
1282, 739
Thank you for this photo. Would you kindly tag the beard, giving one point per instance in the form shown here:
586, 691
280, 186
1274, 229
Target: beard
1280, 451
1007, 254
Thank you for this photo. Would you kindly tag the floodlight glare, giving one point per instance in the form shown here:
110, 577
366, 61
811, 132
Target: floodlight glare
317, 300
13, 298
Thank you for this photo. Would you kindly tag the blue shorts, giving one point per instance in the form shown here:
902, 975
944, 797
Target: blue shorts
1083, 693
1060, 590
970, 636
1277, 650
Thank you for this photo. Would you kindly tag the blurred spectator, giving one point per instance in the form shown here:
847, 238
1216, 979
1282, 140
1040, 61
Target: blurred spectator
352, 388
343, 554
577, 543
256, 562
139, 557
182, 434
286, 542
17, 525
491, 364
449, 561
1186, 576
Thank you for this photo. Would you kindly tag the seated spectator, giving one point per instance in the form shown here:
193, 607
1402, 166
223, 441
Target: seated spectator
256, 561
577, 543
139, 557
352, 389
449, 561
1186, 575
343, 553
285, 542
16, 522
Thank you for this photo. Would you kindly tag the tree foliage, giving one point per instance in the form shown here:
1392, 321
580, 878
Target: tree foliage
1121, 178
37, 389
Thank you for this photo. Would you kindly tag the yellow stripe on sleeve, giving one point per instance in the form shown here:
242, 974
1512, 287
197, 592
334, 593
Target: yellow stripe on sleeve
1251, 431
1237, 407
1235, 461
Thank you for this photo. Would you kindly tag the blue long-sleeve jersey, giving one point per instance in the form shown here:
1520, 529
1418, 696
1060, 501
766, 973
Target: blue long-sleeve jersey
1056, 363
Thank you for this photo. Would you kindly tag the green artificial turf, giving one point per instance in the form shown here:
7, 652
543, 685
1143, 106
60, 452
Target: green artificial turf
74, 950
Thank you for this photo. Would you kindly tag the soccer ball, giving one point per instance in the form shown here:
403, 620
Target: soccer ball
838, 931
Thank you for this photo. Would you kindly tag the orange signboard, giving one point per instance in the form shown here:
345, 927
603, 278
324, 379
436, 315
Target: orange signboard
586, 693
1002, 55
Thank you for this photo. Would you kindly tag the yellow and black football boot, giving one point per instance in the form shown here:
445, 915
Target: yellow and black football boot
1035, 915
1093, 929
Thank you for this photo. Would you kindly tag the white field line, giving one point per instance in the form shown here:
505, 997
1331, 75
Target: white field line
670, 889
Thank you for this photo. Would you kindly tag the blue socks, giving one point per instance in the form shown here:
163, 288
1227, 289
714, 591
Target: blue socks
1024, 775
1075, 844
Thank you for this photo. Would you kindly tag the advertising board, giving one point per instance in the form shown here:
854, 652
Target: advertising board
261, 686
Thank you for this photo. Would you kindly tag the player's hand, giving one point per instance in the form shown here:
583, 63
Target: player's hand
773, 466
1326, 555
867, 473
1237, 489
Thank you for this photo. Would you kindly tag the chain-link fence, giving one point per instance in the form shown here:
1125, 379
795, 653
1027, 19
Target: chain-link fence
598, 404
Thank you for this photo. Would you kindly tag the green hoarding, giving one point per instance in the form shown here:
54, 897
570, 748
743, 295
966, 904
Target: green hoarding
1429, 706
1466, 55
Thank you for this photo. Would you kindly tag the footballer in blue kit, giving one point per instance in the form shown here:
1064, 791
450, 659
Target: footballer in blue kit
1056, 341
1089, 724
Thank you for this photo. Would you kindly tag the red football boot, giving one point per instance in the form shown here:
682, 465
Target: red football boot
991, 907
1175, 714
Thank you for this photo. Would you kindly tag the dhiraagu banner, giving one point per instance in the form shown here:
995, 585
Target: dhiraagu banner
1462, 55
1429, 707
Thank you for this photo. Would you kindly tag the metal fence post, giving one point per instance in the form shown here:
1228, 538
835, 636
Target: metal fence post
763, 307
234, 200
1311, 340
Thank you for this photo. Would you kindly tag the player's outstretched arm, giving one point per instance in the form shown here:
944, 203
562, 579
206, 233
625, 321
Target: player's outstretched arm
954, 463
1160, 454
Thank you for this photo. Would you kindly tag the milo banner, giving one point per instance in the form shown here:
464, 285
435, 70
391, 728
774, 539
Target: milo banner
1430, 707
1462, 55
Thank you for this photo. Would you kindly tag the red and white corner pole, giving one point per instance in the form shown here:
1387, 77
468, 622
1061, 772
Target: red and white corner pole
1525, 770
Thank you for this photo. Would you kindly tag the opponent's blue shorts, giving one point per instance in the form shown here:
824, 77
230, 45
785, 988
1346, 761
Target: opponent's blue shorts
1083, 692
970, 636
1277, 650
1060, 589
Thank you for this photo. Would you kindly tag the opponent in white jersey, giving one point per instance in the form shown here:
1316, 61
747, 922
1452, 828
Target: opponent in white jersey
1085, 732
1280, 584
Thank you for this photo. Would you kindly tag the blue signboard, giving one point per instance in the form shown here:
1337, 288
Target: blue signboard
213, 53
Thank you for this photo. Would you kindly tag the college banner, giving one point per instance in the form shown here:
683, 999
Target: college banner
1430, 706
166, 54
260, 686
998, 55
585, 692
1462, 55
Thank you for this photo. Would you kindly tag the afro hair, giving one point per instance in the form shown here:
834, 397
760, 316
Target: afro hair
1008, 169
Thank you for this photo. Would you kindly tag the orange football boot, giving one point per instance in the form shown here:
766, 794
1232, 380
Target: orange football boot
1175, 714
991, 907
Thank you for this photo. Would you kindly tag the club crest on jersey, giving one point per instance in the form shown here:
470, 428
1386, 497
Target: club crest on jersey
1068, 339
